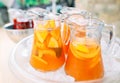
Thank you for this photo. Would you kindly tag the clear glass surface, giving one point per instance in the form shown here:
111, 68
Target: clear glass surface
20, 66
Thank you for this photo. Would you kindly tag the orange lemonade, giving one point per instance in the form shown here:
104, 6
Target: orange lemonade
84, 61
47, 52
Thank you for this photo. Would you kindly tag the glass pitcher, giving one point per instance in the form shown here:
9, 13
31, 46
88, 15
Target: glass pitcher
84, 60
66, 12
47, 51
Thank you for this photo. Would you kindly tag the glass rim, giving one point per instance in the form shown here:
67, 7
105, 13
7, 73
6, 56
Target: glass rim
85, 21
48, 16
69, 9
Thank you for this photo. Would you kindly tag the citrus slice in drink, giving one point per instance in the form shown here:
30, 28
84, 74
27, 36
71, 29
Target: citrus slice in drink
41, 35
49, 52
56, 33
84, 51
50, 24
40, 54
53, 43
41, 60
40, 45
80, 47
37, 62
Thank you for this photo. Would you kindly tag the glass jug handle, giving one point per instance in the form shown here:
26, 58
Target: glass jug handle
108, 36
109, 30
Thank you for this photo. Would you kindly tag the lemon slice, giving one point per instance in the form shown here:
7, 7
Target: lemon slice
49, 52
40, 45
56, 33
53, 43
80, 47
42, 35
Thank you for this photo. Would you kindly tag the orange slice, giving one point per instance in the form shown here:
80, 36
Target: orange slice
80, 47
84, 54
40, 54
41, 35
40, 59
50, 24
49, 52
40, 45
56, 33
53, 43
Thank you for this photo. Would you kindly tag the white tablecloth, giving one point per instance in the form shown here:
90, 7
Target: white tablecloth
6, 46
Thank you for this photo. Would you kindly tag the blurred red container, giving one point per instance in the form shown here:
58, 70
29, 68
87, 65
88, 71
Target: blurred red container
22, 21
23, 24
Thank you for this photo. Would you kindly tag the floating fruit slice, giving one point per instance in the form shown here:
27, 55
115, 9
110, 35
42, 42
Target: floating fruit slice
41, 35
80, 47
40, 59
50, 24
43, 61
53, 43
40, 45
86, 55
49, 52
40, 54
56, 33
78, 54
